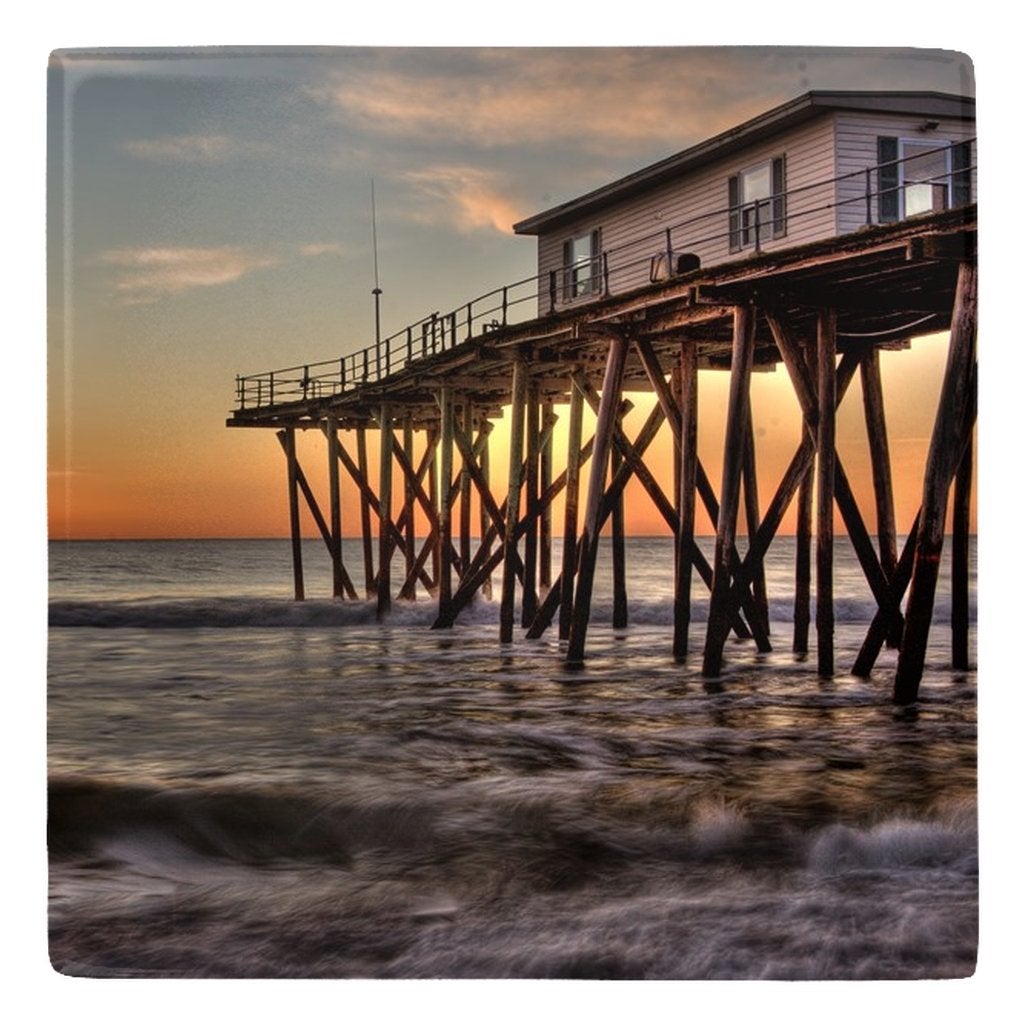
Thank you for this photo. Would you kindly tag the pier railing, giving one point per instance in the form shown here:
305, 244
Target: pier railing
869, 195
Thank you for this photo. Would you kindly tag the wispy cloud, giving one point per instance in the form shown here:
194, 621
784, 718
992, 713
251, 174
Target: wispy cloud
322, 249
147, 274
497, 98
470, 198
185, 148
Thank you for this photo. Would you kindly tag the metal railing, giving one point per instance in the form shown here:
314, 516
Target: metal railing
660, 255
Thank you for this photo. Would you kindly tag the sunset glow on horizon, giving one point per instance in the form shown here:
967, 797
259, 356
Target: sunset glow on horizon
210, 216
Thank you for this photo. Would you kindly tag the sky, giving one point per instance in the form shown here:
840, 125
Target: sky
210, 215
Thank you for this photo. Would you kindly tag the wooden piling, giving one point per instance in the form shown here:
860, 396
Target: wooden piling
485, 472
293, 512
570, 522
546, 463
364, 515
944, 455
385, 545
620, 609
444, 513
529, 602
686, 474
960, 610
334, 484
520, 382
735, 433
826, 446
465, 495
752, 515
802, 590
881, 469
409, 508
607, 416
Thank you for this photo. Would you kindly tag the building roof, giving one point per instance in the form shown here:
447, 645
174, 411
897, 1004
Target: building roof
810, 104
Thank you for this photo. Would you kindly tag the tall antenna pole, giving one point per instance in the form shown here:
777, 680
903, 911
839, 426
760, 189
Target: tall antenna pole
376, 280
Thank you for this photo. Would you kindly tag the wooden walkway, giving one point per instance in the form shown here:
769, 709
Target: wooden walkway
822, 310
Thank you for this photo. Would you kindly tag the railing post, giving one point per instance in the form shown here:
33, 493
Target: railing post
271, 389
668, 251
341, 372
469, 320
305, 382
454, 325
757, 225
867, 195
604, 273
504, 306
387, 357
240, 391
408, 345
553, 289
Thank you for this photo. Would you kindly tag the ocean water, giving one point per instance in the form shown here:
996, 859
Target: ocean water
243, 786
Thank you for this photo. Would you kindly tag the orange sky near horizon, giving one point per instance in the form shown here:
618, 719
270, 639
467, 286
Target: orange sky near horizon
237, 479
209, 215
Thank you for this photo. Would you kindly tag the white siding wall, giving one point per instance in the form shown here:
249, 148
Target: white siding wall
857, 148
696, 209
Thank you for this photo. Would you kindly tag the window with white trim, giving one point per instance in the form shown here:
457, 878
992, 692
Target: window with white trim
921, 175
581, 265
757, 204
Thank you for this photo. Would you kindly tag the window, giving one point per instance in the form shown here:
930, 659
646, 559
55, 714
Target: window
581, 265
757, 204
921, 175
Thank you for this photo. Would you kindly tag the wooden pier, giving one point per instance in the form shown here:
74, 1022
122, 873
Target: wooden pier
822, 311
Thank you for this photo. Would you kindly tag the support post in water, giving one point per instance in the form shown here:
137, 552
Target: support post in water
686, 494
384, 535
520, 382
728, 508
824, 609
293, 511
570, 523
944, 455
607, 417
444, 507
364, 514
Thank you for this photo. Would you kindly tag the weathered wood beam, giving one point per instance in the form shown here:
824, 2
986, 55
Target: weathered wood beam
288, 442
407, 449
881, 468
570, 521
618, 348
364, 512
529, 598
334, 487
465, 495
373, 504
752, 515
687, 473
802, 592
325, 531
444, 512
620, 608
520, 384
940, 468
546, 473
736, 423
485, 486
385, 544
960, 610
825, 484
